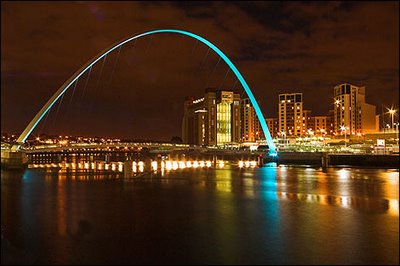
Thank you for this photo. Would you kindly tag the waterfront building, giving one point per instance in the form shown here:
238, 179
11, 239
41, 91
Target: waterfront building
330, 122
248, 120
307, 123
251, 129
351, 113
213, 119
290, 115
273, 126
320, 125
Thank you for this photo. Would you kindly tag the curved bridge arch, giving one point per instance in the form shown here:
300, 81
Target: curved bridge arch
103, 53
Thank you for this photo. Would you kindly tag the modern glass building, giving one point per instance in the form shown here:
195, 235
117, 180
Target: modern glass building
213, 119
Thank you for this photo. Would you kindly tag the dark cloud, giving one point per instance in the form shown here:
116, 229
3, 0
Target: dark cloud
278, 46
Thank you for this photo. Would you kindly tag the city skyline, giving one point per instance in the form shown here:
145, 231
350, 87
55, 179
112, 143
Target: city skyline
200, 132
285, 57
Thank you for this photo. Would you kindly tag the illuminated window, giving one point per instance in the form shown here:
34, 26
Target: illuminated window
223, 122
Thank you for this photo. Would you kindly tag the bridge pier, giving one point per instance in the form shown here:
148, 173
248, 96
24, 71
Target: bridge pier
128, 168
325, 160
260, 161
13, 160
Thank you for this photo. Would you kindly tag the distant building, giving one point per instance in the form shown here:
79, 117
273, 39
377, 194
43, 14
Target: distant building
350, 110
320, 126
307, 123
273, 126
213, 119
251, 127
290, 115
330, 122
248, 119
377, 123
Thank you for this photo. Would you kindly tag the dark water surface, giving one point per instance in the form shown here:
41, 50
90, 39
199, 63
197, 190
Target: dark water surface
269, 215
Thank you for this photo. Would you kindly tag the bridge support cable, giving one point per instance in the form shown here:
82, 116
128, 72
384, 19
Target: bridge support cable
101, 72
148, 44
54, 120
194, 47
87, 80
203, 61
43, 124
33, 123
73, 92
212, 72
234, 84
58, 109
96, 88
114, 67
69, 109
223, 81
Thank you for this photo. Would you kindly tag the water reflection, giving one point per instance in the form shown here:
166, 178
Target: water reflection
344, 187
275, 214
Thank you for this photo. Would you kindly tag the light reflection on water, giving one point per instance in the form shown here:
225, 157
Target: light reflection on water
232, 214
327, 188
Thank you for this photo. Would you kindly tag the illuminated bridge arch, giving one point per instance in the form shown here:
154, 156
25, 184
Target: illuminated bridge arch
102, 54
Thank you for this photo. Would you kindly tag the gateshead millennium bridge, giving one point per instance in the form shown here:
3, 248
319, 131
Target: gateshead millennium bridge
31, 126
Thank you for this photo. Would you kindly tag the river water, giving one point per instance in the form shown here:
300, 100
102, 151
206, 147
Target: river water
269, 215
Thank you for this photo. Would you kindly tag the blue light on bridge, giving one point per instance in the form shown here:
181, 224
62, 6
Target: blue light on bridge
80, 72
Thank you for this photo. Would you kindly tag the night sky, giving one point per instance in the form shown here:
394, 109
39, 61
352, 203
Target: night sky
138, 94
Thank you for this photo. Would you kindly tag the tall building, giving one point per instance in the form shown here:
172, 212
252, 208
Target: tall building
194, 121
258, 130
273, 126
320, 125
351, 113
307, 123
291, 114
330, 122
248, 118
251, 129
213, 119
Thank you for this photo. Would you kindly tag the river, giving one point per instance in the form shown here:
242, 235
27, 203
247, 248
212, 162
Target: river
269, 215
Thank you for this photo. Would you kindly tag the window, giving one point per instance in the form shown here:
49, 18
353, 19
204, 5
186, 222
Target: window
347, 89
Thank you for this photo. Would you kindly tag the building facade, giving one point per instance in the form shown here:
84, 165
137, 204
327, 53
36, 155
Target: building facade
251, 127
307, 123
351, 112
330, 122
248, 120
290, 114
320, 125
273, 126
213, 119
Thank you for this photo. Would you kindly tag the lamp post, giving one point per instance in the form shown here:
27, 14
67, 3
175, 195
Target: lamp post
392, 112
344, 128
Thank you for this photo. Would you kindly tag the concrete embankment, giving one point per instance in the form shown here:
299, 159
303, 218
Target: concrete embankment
13, 160
325, 159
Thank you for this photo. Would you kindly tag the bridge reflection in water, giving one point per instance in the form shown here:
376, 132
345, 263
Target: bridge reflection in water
137, 166
280, 183
269, 214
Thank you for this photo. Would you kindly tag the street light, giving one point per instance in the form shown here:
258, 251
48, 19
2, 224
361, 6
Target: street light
342, 127
397, 132
284, 138
392, 112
